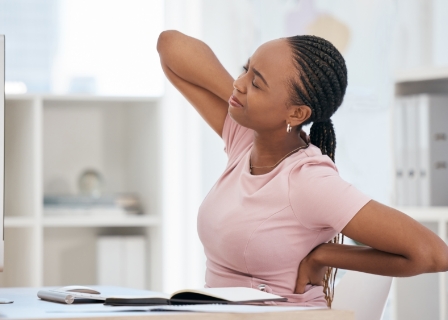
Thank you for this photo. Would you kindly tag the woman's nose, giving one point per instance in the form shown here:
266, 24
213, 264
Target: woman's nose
238, 86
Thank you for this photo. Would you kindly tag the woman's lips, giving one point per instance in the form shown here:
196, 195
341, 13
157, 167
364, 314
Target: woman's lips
233, 101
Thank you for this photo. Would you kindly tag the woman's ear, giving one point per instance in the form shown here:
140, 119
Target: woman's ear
298, 115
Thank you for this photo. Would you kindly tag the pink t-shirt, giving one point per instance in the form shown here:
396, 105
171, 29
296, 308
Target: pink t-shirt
257, 228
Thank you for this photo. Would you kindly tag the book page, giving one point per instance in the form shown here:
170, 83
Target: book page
156, 295
233, 294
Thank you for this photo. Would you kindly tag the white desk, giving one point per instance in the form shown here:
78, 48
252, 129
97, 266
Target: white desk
28, 306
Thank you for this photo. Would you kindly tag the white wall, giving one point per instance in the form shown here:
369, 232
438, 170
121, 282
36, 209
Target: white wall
234, 29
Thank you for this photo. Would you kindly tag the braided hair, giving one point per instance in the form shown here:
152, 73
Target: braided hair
323, 81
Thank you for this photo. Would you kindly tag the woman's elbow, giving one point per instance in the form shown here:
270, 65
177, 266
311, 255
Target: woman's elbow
441, 260
435, 258
164, 39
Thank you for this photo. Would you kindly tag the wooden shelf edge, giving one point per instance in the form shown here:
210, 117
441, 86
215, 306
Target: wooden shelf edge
98, 221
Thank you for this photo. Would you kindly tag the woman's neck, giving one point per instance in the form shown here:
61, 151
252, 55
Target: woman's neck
269, 148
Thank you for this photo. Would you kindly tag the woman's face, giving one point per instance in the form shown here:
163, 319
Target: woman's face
262, 90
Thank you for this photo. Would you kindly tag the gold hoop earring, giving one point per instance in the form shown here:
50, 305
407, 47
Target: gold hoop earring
288, 128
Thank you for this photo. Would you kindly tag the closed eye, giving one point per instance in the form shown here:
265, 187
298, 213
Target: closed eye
245, 68
255, 85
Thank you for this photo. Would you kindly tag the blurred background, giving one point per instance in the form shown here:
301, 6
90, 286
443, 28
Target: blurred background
106, 162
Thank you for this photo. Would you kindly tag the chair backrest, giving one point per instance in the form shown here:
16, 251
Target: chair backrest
365, 294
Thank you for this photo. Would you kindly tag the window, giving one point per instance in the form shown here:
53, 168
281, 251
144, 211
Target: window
102, 47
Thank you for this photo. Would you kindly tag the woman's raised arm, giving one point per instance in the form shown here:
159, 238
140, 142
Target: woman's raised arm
396, 245
192, 67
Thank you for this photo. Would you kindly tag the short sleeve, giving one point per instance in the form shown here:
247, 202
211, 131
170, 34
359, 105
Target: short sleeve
236, 138
320, 198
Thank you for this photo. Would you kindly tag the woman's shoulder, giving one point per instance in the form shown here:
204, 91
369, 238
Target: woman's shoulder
313, 162
319, 197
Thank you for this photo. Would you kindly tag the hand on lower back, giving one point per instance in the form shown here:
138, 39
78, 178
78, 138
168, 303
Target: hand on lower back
309, 273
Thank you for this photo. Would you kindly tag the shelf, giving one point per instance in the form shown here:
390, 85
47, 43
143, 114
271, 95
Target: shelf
422, 81
101, 221
84, 221
50, 140
20, 97
422, 74
91, 98
425, 295
427, 214
19, 222
83, 98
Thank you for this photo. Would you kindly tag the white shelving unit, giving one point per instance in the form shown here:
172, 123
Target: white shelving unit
49, 141
424, 296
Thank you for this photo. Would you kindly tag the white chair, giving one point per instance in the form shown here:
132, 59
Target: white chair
365, 294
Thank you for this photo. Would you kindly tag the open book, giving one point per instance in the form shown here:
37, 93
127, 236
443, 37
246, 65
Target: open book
230, 295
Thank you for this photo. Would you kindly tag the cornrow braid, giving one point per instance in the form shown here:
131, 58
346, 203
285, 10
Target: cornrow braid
333, 85
322, 135
323, 82
340, 73
330, 275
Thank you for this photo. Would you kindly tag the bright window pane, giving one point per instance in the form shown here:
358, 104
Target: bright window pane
104, 47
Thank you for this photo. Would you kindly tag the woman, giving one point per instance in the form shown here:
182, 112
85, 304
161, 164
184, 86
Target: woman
273, 219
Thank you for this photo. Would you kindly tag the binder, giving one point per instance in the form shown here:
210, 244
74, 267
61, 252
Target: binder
399, 149
411, 137
421, 150
433, 149
424, 150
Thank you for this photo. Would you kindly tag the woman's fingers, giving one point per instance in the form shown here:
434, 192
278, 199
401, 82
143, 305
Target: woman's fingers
300, 286
302, 279
309, 272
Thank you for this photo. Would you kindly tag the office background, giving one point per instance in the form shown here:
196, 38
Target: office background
102, 48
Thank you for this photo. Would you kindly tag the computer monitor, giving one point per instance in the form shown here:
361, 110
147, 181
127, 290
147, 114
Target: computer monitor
2, 151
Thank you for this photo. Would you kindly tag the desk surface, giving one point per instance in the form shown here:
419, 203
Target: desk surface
28, 306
